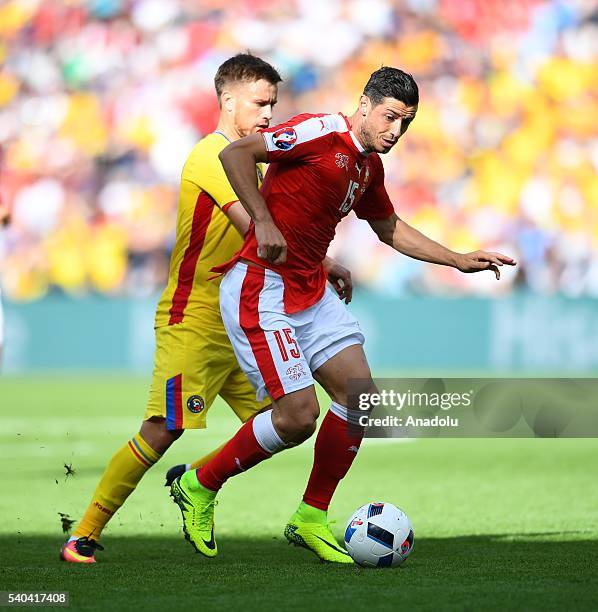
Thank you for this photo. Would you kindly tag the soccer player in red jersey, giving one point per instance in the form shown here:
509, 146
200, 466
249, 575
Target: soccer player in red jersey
287, 329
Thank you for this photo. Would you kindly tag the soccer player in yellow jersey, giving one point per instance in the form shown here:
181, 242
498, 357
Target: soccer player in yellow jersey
194, 359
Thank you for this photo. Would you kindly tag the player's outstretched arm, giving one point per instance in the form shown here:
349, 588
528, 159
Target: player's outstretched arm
238, 160
411, 242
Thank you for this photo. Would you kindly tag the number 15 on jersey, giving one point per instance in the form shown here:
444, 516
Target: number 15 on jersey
350, 197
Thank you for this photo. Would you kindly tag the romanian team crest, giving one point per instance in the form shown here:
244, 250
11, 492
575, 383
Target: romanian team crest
284, 138
195, 404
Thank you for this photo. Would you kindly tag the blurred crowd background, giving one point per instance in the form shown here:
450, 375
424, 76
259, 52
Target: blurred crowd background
102, 100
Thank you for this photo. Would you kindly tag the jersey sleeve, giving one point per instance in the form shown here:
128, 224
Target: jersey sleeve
213, 181
301, 137
375, 204
203, 171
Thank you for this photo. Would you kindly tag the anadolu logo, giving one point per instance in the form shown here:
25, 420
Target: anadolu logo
284, 138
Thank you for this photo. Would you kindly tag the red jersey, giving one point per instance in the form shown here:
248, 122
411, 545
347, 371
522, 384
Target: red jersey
318, 173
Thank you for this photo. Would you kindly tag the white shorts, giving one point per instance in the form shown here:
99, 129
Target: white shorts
278, 352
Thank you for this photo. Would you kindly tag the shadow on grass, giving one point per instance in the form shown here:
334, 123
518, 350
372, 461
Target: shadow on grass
534, 571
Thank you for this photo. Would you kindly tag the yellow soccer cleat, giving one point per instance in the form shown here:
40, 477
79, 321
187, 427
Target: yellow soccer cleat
316, 537
197, 510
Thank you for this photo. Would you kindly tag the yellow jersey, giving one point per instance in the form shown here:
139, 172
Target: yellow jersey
205, 237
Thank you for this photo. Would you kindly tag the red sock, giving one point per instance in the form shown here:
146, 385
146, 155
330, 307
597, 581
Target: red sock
334, 452
238, 455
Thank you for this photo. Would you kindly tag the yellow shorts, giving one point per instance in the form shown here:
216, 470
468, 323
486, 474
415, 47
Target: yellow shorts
194, 363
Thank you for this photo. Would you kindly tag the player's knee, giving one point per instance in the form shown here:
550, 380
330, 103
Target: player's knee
303, 425
306, 430
360, 387
298, 425
365, 387
159, 438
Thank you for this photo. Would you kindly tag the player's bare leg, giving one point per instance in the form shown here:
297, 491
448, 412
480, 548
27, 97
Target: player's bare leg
121, 477
334, 451
291, 421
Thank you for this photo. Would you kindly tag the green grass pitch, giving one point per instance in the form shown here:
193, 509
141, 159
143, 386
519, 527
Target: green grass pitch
499, 524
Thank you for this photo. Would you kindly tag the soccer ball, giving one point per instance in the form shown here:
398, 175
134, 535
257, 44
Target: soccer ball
379, 535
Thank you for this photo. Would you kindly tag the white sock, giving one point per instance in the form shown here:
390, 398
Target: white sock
341, 412
265, 434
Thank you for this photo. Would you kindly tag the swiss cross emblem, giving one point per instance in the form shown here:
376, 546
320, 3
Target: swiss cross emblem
342, 160
295, 372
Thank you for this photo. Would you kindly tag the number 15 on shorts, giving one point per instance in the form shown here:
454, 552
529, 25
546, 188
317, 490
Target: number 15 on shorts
287, 344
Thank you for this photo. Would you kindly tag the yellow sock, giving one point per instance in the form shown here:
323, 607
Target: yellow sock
203, 460
125, 470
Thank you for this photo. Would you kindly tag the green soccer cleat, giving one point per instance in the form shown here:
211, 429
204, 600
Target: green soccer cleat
197, 510
317, 537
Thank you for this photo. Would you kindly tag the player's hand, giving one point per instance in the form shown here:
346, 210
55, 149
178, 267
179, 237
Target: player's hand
340, 278
483, 260
271, 244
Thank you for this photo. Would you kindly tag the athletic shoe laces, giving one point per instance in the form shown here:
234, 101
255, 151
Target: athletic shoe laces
87, 546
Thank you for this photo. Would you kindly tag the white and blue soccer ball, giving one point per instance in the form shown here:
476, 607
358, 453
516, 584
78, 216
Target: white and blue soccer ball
379, 535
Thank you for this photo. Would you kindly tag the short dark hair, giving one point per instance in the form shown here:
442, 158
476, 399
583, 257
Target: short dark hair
244, 67
390, 82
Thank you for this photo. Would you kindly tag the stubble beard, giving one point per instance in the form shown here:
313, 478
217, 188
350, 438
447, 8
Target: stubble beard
366, 139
